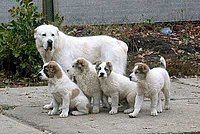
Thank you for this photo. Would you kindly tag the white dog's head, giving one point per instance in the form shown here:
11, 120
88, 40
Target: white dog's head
79, 66
104, 69
139, 72
46, 36
50, 70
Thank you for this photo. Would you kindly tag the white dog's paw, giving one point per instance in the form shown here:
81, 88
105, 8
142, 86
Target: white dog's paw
132, 115
52, 112
154, 112
63, 115
127, 111
113, 111
47, 106
167, 107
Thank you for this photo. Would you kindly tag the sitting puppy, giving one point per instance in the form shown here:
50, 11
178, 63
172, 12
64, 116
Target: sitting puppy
86, 78
65, 93
116, 86
150, 84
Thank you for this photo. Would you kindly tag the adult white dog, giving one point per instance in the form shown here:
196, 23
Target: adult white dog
53, 44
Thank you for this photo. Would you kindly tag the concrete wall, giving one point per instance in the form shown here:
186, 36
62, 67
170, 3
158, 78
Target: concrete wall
118, 11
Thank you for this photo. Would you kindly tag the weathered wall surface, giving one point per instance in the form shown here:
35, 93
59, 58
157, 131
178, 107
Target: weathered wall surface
118, 11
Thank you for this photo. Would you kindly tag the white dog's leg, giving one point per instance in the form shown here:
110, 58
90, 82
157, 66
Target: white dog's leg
65, 106
55, 108
48, 106
154, 102
159, 107
138, 105
115, 102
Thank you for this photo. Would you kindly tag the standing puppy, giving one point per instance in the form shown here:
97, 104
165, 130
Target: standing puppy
86, 78
65, 93
150, 84
116, 86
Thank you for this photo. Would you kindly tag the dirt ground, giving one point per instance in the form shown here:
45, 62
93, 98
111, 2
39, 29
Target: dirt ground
180, 48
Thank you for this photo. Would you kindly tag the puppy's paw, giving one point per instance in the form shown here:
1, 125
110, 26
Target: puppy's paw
167, 107
154, 112
95, 110
127, 111
113, 111
132, 115
159, 110
52, 112
63, 115
47, 106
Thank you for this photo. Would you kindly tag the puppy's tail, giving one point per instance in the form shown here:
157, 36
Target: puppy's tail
162, 62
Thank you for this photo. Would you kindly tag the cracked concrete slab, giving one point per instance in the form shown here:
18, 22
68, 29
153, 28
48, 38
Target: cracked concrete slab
182, 117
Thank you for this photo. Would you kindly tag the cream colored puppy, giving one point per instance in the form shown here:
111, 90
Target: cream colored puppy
116, 86
86, 78
65, 92
150, 84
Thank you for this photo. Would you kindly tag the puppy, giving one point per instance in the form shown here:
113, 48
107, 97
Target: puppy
116, 86
65, 93
86, 78
150, 84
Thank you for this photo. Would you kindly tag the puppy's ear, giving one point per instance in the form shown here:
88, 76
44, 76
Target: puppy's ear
109, 65
54, 69
97, 63
82, 64
143, 68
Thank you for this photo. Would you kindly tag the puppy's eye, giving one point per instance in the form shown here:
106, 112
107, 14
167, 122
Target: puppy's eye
106, 69
73, 66
136, 72
52, 34
43, 34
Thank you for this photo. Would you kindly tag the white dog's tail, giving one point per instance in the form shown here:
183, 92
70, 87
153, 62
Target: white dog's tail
162, 62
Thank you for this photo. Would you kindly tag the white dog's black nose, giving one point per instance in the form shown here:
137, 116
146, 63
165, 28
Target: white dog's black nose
49, 44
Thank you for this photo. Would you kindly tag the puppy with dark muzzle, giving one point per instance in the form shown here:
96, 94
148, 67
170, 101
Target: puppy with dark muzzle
66, 94
116, 86
150, 84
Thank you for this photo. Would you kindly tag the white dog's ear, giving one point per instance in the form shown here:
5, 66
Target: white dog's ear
97, 63
35, 32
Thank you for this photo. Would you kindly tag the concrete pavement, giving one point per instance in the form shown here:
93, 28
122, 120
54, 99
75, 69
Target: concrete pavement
22, 113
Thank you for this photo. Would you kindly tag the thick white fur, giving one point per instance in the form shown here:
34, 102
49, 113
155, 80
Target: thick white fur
62, 91
116, 86
67, 48
150, 84
86, 77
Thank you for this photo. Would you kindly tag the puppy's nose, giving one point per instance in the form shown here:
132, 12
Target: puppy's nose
130, 77
101, 74
39, 76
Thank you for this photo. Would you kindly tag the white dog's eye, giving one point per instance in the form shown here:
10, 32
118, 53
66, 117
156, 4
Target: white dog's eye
106, 69
73, 66
43, 34
52, 34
